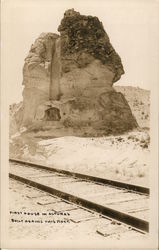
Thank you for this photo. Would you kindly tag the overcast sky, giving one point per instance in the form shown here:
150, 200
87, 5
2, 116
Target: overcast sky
132, 26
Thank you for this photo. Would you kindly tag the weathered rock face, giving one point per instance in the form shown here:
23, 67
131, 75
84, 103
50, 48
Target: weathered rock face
68, 78
37, 74
84, 39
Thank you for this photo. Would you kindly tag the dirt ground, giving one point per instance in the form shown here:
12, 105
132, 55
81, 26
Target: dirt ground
124, 158
29, 220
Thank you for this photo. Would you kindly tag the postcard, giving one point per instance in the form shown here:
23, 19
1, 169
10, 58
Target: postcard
79, 127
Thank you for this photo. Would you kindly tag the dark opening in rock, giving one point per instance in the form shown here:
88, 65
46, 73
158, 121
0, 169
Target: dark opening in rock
52, 114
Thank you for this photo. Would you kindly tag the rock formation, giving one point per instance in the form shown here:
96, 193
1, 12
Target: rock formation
36, 75
68, 79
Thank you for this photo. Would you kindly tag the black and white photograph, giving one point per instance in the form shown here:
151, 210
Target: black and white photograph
79, 143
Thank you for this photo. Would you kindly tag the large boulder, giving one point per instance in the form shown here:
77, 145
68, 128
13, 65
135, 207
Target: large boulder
68, 79
83, 39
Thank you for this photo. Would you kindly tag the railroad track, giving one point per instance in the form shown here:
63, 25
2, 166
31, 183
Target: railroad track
122, 202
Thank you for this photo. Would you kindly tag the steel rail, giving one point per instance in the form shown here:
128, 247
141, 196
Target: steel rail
130, 187
106, 211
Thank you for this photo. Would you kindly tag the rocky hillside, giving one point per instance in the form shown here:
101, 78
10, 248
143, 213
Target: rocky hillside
16, 113
139, 102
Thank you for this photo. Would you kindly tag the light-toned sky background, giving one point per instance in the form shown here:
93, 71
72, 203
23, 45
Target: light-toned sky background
132, 26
